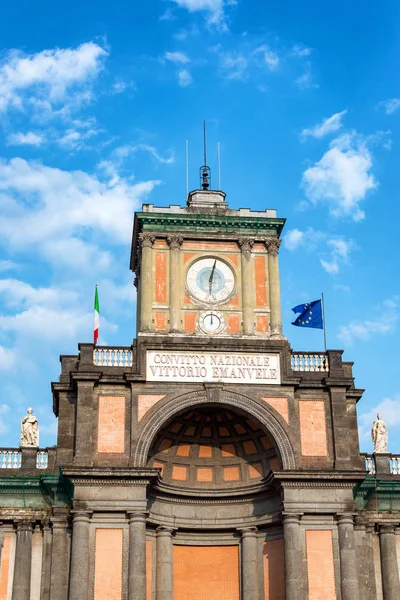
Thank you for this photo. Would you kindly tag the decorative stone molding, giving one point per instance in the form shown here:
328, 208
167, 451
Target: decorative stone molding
168, 407
174, 242
146, 240
272, 245
246, 244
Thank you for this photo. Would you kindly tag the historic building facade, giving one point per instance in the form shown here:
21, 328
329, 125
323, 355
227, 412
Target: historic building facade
206, 461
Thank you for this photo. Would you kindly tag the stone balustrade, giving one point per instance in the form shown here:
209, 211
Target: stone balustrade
11, 458
312, 362
393, 467
108, 356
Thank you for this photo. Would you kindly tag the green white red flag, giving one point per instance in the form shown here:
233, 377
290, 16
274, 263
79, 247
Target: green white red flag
96, 316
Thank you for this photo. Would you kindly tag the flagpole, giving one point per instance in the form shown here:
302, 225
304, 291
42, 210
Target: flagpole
323, 318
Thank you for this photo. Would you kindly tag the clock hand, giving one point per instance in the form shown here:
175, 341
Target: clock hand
210, 281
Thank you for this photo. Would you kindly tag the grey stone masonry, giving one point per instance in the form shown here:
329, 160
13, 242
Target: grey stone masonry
21, 589
293, 557
250, 550
390, 570
164, 569
348, 561
137, 556
79, 579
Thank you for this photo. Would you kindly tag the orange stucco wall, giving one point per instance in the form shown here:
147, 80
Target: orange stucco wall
313, 428
320, 566
111, 424
161, 277
206, 573
108, 564
274, 570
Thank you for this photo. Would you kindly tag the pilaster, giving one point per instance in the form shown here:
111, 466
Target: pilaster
79, 573
246, 246
146, 241
175, 242
164, 570
347, 555
272, 246
293, 557
389, 566
250, 579
21, 588
137, 556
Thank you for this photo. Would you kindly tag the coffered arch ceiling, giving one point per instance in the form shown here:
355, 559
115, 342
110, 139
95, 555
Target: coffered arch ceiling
213, 447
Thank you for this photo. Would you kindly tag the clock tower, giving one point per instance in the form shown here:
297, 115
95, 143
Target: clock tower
207, 270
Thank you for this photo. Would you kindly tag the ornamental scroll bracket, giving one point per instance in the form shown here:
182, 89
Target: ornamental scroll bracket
246, 244
174, 241
146, 240
272, 245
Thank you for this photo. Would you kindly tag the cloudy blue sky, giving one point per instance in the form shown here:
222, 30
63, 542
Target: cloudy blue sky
96, 100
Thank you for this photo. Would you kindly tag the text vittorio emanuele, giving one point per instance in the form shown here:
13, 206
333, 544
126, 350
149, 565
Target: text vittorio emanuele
235, 367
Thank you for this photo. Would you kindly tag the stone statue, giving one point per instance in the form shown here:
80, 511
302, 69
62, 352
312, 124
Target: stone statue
30, 430
379, 435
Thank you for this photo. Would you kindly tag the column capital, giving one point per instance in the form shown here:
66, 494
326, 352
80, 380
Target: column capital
81, 516
291, 518
175, 241
24, 526
137, 516
248, 531
165, 530
272, 245
384, 528
345, 518
246, 244
146, 240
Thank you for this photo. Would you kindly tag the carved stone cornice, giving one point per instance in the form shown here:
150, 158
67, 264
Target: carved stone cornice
174, 241
146, 240
272, 245
245, 244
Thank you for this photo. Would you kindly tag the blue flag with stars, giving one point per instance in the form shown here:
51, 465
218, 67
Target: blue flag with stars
310, 315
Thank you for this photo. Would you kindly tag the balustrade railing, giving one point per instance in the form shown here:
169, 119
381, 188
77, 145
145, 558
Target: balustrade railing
112, 357
312, 362
10, 459
393, 460
42, 459
14, 459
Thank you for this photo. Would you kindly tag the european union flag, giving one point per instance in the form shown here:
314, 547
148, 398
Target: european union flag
310, 315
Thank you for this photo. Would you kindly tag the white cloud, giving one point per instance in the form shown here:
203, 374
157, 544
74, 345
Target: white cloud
28, 139
293, 239
306, 81
7, 265
329, 125
184, 78
177, 57
120, 86
19, 293
384, 323
340, 250
232, 65
47, 76
41, 205
7, 359
342, 177
390, 106
389, 409
213, 8
300, 51
270, 58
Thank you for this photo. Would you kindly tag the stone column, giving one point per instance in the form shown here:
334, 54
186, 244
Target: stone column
250, 577
274, 288
247, 285
146, 281
137, 556
174, 242
21, 588
59, 559
348, 561
293, 557
390, 571
79, 570
164, 564
46, 562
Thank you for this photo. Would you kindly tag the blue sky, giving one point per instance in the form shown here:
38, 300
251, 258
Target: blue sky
96, 100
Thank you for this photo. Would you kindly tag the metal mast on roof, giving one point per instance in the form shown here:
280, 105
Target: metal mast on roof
205, 172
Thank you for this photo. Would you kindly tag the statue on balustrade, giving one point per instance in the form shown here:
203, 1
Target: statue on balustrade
30, 430
379, 434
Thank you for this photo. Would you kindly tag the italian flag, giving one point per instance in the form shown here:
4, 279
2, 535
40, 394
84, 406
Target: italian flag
96, 316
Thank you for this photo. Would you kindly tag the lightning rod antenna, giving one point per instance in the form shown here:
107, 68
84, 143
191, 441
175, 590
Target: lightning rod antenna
205, 172
187, 167
219, 165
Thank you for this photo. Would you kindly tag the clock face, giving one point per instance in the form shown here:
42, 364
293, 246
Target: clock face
211, 322
210, 280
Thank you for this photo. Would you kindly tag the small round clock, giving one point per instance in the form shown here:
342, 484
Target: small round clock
210, 280
211, 322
